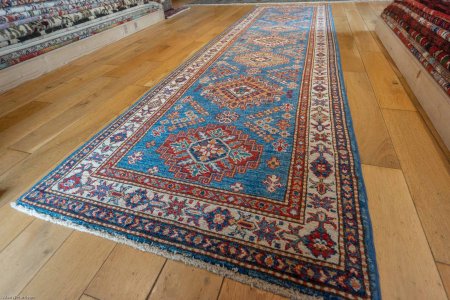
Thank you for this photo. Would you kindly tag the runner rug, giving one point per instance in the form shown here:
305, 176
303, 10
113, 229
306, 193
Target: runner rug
243, 161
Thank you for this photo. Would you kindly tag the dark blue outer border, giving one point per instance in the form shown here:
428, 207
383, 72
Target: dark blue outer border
363, 201
368, 238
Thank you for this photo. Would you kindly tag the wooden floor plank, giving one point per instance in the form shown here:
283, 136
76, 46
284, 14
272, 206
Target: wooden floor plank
125, 54
19, 96
338, 10
9, 158
126, 69
23, 258
368, 15
427, 174
146, 54
136, 75
350, 57
57, 108
233, 290
21, 113
12, 223
379, 6
14, 182
67, 274
444, 270
42, 134
374, 142
179, 281
151, 79
94, 72
53, 127
74, 77
387, 87
363, 38
86, 297
406, 266
126, 274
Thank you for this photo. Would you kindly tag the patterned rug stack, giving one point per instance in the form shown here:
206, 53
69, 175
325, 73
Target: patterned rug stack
243, 161
424, 28
29, 28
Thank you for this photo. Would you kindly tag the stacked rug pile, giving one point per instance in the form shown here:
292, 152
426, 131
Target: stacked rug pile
29, 28
424, 27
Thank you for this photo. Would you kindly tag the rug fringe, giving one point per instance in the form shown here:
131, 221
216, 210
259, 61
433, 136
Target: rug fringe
219, 270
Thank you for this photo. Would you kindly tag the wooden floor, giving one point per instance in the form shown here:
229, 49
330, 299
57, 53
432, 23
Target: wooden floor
43, 121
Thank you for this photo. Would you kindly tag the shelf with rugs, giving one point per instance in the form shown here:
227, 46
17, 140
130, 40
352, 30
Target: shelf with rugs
416, 33
38, 36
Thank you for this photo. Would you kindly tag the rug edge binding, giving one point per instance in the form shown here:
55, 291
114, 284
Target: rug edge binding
216, 269
363, 197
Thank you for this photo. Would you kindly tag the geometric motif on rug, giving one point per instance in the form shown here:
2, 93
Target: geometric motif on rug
242, 92
270, 41
210, 153
262, 59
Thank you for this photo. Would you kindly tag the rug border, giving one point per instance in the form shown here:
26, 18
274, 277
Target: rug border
255, 278
363, 199
170, 252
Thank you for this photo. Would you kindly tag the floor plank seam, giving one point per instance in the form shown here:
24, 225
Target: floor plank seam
17, 235
442, 263
98, 270
415, 207
46, 262
429, 133
443, 285
14, 149
374, 94
95, 298
156, 280
384, 52
399, 109
383, 167
220, 288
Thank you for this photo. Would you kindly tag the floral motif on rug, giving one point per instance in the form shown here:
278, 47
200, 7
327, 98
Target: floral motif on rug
242, 161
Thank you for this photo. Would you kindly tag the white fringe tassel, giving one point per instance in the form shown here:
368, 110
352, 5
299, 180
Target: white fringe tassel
232, 274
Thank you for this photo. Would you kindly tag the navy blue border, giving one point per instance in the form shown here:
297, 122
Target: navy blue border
371, 261
363, 201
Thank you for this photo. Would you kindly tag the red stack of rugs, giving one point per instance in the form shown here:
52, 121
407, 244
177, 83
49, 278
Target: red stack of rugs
424, 27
